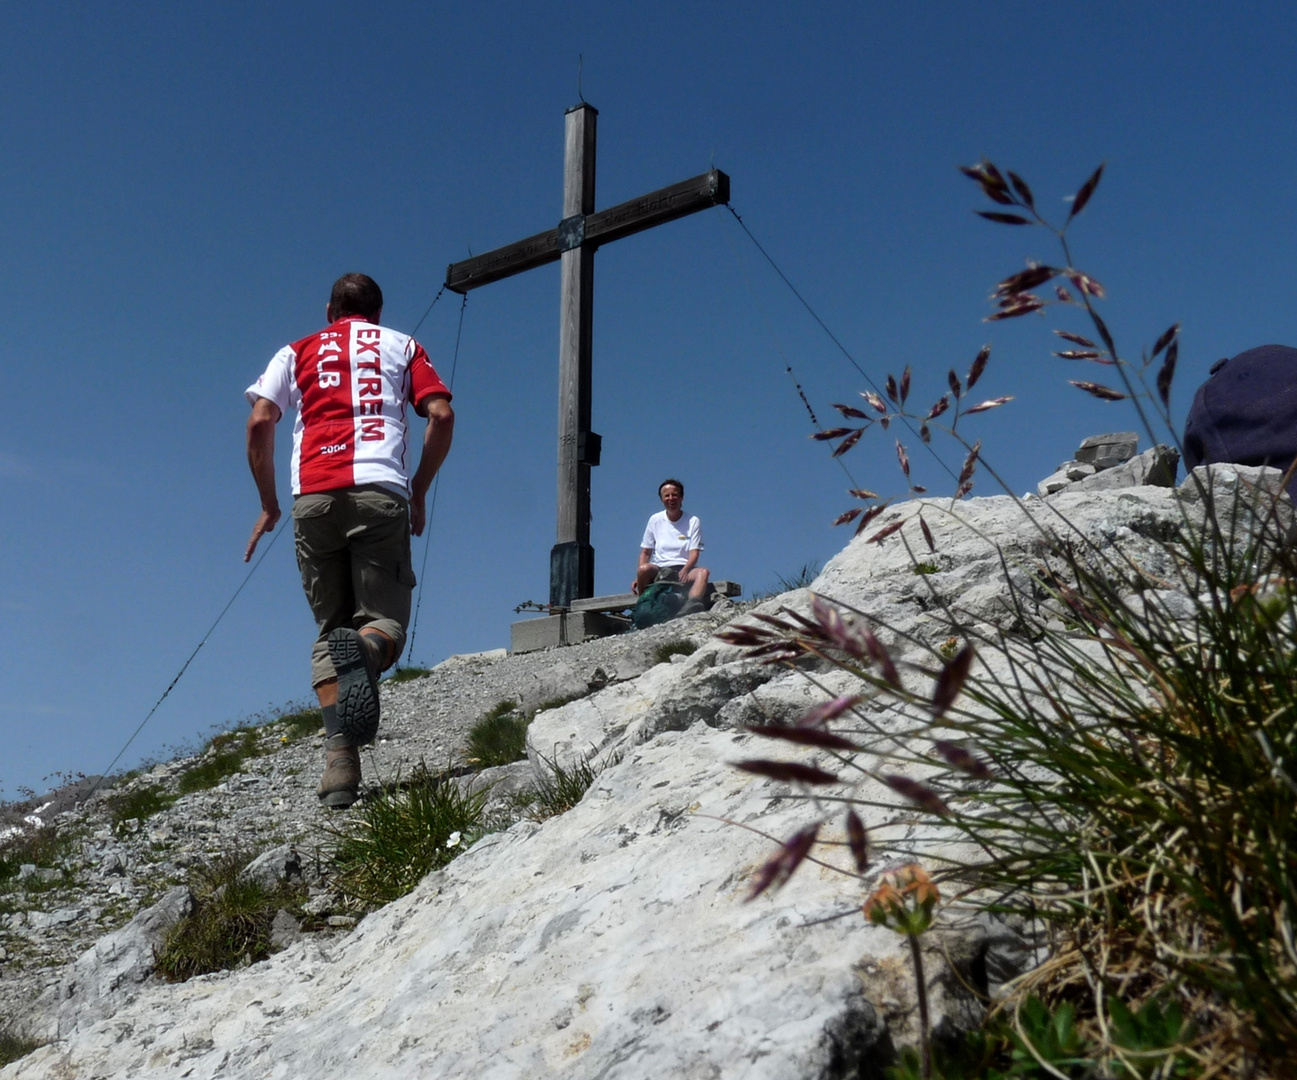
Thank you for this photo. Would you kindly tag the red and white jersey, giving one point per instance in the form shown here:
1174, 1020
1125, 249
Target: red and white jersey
349, 384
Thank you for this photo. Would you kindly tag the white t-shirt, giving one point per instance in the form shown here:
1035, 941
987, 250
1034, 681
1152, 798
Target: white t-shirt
671, 541
350, 384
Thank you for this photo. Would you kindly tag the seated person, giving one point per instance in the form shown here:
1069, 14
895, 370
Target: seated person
672, 542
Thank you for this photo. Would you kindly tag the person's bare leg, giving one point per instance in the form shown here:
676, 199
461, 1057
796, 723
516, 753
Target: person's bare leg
387, 647
698, 578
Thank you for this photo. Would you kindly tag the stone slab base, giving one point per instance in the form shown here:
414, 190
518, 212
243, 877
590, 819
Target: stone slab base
571, 628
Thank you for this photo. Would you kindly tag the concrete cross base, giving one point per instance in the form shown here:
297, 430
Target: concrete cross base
569, 628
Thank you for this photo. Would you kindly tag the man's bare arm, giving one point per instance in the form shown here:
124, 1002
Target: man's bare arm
261, 460
437, 438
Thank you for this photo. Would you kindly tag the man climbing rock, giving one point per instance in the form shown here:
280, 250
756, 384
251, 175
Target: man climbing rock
672, 542
353, 507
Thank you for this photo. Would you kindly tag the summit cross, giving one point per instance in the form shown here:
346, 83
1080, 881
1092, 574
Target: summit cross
580, 232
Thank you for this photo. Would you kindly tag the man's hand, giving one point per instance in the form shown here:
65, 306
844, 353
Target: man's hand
634, 586
417, 515
261, 460
265, 523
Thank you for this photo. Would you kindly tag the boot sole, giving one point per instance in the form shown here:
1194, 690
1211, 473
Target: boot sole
357, 687
338, 800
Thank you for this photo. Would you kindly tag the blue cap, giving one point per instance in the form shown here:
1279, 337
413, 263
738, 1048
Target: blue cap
1246, 412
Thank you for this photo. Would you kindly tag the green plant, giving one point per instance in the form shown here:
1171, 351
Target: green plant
668, 649
139, 804
499, 737
42, 847
982, 1054
559, 789
14, 1044
928, 567
1046, 1042
224, 756
559, 702
1152, 1042
801, 579
1122, 761
230, 924
905, 901
301, 724
405, 674
401, 834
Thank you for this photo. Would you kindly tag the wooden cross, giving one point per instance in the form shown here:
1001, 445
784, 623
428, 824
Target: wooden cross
579, 233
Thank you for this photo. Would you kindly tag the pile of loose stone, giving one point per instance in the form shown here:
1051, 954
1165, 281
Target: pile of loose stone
1109, 461
113, 869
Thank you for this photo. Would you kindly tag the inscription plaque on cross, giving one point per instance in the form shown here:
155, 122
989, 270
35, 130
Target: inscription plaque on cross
579, 233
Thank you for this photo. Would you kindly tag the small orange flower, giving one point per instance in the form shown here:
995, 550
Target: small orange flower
905, 900
882, 902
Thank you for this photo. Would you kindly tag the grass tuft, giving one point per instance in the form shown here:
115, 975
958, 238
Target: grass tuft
401, 834
561, 788
14, 1044
223, 757
230, 925
301, 724
405, 674
801, 579
499, 737
559, 702
45, 847
668, 649
140, 804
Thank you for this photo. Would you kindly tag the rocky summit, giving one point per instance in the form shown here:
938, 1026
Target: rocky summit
614, 940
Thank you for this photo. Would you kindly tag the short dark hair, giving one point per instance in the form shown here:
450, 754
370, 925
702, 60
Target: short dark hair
671, 480
356, 294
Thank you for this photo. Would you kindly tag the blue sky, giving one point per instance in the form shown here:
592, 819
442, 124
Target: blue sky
180, 184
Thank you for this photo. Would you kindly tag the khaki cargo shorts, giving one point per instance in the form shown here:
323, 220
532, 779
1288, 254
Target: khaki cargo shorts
353, 551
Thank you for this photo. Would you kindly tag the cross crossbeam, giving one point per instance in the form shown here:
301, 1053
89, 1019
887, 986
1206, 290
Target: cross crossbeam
711, 188
573, 242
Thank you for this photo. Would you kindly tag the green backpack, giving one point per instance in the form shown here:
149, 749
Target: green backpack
659, 602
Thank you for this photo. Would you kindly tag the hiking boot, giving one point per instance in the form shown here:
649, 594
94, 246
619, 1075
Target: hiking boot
340, 784
692, 605
357, 668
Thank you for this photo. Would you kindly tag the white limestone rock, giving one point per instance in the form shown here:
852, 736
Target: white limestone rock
1055, 481
503, 785
1224, 480
668, 697
611, 941
106, 976
281, 865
